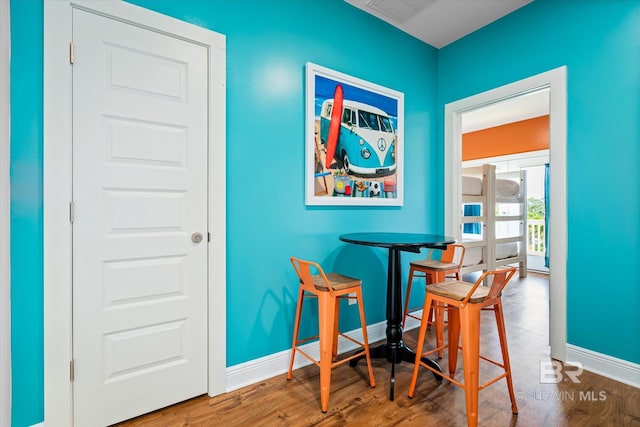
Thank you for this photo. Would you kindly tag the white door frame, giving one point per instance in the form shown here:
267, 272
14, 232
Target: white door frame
556, 81
58, 352
5, 215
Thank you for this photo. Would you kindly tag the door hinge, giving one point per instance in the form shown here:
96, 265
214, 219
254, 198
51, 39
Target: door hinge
72, 371
208, 237
72, 212
71, 53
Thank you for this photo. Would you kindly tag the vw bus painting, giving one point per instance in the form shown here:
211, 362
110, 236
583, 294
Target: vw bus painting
365, 143
354, 135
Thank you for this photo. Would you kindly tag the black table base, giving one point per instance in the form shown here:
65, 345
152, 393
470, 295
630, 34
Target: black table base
394, 349
396, 354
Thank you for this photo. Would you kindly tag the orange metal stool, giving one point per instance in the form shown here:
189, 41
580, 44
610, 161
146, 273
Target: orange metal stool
434, 271
464, 302
328, 288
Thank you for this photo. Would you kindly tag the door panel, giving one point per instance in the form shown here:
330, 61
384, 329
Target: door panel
140, 191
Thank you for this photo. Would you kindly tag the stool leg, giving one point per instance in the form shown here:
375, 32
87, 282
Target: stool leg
296, 327
453, 336
439, 309
336, 323
505, 354
470, 328
326, 319
430, 279
421, 335
406, 298
365, 338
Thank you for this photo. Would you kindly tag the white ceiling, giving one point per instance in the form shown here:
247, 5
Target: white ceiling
440, 22
523, 107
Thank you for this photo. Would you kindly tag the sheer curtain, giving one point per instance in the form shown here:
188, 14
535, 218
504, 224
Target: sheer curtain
5, 273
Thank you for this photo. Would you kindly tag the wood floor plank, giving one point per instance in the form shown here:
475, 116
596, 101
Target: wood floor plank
595, 401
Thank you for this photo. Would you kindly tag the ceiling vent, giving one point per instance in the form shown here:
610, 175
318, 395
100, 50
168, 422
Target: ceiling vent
399, 10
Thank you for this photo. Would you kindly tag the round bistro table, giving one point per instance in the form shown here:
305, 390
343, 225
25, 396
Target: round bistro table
394, 349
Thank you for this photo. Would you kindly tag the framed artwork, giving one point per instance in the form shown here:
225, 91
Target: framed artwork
354, 141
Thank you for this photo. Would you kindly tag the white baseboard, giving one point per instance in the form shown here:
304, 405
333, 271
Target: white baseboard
257, 370
616, 369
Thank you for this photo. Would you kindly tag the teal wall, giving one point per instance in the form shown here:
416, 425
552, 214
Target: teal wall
26, 213
599, 42
268, 43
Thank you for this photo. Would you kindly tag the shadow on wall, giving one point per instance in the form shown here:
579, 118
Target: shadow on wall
368, 264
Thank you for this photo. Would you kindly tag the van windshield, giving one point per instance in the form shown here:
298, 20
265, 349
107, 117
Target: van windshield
373, 121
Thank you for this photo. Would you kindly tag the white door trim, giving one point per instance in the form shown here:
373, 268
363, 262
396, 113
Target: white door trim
556, 81
5, 215
58, 400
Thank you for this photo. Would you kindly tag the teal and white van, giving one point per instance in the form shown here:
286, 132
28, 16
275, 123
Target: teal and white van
367, 141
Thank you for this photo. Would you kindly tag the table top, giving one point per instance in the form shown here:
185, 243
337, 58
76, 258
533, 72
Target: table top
403, 241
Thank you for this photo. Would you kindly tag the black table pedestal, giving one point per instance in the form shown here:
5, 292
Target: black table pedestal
395, 355
394, 349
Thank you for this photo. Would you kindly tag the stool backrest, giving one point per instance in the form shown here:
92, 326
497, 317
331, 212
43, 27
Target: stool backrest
304, 268
453, 253
498, 278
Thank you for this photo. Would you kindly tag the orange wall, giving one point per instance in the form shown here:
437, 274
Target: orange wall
517, 137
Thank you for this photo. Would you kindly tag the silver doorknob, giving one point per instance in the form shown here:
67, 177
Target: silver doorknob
196, 237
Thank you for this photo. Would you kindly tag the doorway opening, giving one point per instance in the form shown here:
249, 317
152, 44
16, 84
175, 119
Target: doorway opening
555, 82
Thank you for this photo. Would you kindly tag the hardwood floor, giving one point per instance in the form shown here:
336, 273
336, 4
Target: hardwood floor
594, 401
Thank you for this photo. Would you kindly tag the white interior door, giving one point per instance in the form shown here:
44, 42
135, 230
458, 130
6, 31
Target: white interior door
139, 198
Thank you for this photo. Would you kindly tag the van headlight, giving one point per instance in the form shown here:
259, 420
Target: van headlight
365, 153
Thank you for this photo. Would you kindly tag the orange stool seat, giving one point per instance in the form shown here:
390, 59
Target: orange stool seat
328, 289
464, 302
